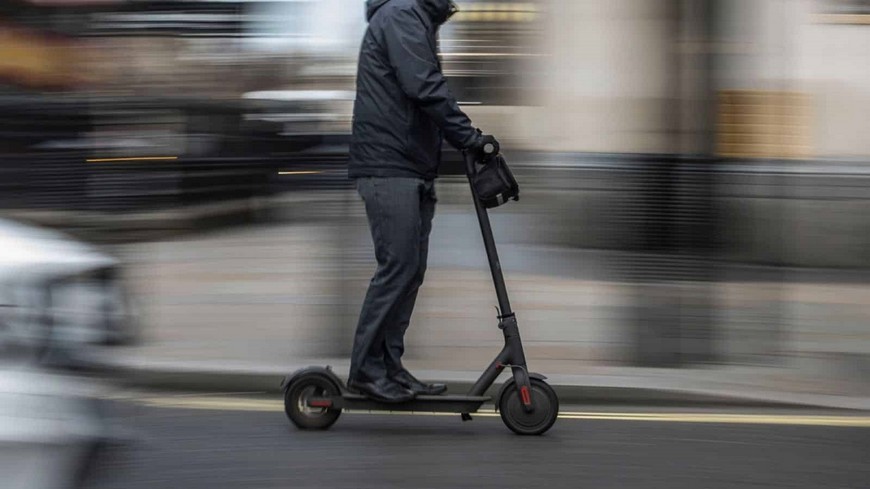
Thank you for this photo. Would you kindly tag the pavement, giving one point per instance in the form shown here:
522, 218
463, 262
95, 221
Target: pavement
720, 386
240, 441
238, 308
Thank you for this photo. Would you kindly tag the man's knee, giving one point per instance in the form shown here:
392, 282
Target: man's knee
404, 267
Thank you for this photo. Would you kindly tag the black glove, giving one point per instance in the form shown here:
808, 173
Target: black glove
484, 148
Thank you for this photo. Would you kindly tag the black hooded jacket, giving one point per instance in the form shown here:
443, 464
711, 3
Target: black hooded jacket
403, 107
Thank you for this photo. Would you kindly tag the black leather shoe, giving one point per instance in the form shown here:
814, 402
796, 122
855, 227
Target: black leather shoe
384, 390
408, 381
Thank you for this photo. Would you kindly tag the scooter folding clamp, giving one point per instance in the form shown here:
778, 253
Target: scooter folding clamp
506, 320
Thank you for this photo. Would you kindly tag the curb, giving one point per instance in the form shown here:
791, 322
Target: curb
193, 380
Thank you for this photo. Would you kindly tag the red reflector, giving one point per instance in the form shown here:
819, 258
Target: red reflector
524, 393
498, 365
325, 403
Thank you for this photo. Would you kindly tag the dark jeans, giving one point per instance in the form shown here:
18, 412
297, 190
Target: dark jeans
400, 212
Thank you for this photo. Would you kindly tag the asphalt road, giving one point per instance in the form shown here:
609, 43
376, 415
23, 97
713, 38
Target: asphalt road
215, 442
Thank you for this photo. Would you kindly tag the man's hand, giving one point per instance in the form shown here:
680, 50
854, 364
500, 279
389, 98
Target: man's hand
484, 148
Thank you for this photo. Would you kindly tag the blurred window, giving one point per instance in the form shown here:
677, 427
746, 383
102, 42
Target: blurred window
764, 124
491, 50
310, 26
186, 18
34, 58
847, 7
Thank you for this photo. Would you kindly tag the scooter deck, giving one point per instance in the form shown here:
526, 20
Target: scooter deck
441, 404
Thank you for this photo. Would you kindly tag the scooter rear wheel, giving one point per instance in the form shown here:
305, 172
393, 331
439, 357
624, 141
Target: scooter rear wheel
296, 405
537, 422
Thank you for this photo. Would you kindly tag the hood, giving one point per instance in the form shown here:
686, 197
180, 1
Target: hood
372, 6
438, 10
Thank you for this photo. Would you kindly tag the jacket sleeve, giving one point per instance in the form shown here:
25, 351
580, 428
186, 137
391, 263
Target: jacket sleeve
416, 65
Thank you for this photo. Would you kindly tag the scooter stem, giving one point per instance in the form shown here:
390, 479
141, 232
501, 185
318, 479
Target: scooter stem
489, 244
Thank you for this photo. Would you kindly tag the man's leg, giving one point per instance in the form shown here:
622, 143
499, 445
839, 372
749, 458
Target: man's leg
394, 341
393, 210
398, 325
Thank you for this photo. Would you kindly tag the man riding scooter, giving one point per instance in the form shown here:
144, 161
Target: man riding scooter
402, 112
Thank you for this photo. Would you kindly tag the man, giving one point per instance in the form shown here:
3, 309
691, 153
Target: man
403, 109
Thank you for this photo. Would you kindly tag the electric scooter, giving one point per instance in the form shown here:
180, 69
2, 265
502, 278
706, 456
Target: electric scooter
314, 396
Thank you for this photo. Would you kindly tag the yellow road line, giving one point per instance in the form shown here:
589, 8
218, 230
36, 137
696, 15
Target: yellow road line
137, 158
265, 405
767, 419
217, 404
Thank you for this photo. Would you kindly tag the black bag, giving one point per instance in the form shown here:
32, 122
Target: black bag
494, 183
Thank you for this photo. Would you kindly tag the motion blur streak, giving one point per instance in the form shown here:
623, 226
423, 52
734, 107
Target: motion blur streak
175, 214
138, 158
298, 172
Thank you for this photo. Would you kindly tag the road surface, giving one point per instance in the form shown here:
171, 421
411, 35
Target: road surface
200, 441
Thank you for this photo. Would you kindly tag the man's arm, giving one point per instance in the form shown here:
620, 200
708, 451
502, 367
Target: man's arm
421, 79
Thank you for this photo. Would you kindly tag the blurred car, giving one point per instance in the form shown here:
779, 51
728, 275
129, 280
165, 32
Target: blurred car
58, 299
51, 429
58, 294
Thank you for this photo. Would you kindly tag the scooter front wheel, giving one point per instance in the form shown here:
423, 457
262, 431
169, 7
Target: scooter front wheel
536, 422
298, 409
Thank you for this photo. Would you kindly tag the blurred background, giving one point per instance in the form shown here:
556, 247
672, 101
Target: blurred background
694, 174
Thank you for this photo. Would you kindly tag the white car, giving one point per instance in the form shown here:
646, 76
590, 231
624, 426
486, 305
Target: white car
51, 430
58, 292
58, 297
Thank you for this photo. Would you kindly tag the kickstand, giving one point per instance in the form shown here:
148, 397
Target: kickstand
466, 417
